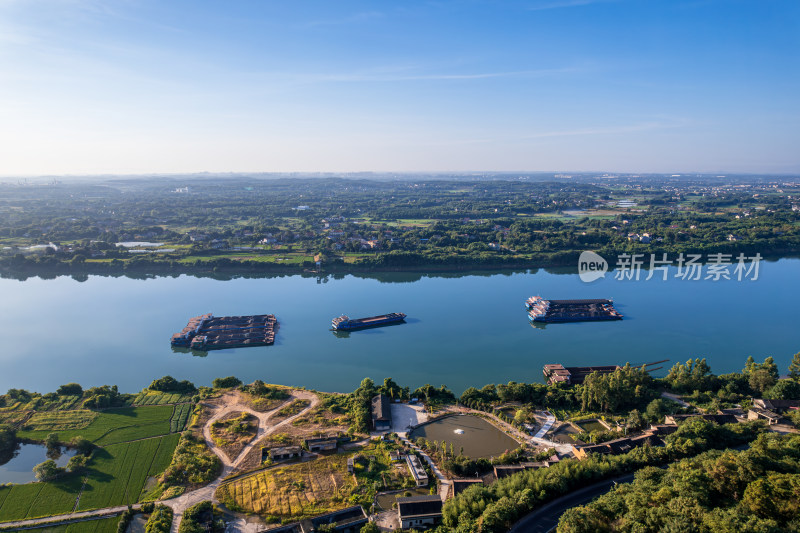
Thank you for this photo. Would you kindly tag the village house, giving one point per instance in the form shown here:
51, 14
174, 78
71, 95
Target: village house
419, 511
347, 520
771, 417
417, 472
381, 413
321, 444
618, 446
284, 453
460, 485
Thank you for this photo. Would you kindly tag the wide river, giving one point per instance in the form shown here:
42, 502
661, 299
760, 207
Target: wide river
463, 330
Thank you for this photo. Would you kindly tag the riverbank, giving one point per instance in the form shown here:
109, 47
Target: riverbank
224, 267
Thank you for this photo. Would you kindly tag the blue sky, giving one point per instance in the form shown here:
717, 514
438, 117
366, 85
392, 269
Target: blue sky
139, 86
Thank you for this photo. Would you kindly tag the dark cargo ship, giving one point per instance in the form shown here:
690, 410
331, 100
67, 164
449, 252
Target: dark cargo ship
541, 310
345, 323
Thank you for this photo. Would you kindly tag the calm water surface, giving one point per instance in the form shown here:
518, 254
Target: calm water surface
20, 468
475, 435
462, 331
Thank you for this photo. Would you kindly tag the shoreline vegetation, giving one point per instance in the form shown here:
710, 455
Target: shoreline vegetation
150, 446
244, 226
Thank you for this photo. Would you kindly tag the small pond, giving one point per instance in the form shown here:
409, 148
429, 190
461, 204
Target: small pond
478, 437
20, 468
591, 425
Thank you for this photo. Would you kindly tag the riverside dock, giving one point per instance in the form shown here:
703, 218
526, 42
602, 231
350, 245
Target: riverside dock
573, 375
207, 332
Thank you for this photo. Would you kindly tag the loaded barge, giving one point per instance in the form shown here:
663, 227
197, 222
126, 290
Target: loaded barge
345, 323
541, 310
573, 375
207, 332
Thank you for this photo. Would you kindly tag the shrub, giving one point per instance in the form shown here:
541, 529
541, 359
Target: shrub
226, 383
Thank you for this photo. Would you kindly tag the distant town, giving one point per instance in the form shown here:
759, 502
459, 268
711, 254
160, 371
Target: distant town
264, 224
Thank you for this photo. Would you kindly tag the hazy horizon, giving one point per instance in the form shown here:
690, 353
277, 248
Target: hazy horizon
89, 87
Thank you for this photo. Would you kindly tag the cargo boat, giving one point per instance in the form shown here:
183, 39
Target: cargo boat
548, 311
345, 323
207, 332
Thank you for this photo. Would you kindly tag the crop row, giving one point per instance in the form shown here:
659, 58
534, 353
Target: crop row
116, 425
180, 417
33, 500
105, 525
159, 398
60, 420
118, 472
292, 491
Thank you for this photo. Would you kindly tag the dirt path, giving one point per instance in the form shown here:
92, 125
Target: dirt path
231, 402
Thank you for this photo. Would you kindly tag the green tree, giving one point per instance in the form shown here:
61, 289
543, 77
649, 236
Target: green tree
761, 379
794, 367
51, 441
635, 420
655, 410
784, 389
81, 445
47, 470
370, 527
76, 463
226, 383
70, 389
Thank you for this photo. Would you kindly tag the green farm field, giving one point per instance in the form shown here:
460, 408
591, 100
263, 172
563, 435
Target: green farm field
111, 426
116, 475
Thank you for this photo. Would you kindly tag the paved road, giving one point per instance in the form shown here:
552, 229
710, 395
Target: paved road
675, 398
545, 427
545, 518
66, 518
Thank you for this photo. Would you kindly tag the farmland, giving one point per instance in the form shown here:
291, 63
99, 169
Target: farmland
317, 486
115, 475
295, 491
103, 525
112, 426
180, 417
60, 420
150, 397
133, 445
118, 472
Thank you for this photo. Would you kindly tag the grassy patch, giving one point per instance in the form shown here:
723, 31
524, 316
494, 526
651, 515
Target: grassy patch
293, 408
233, 432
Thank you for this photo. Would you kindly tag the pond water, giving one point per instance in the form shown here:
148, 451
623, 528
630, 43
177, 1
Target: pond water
591, 425
462, 330
475, 435
20, 468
